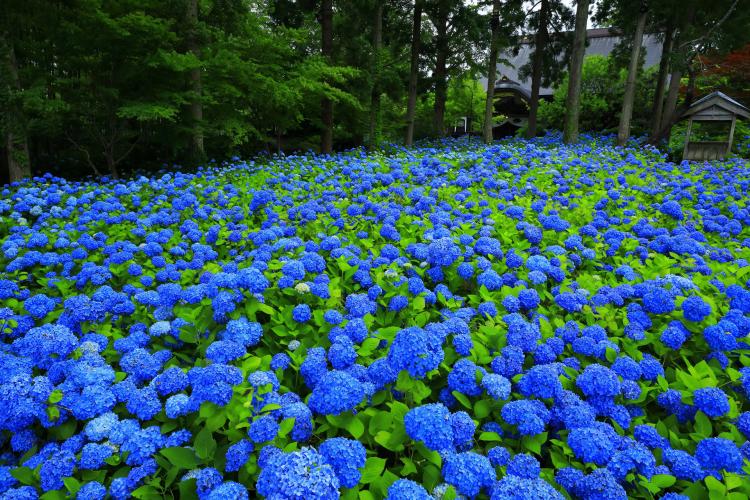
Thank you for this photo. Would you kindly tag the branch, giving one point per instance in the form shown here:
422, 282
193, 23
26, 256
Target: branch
85, 152
130, 149
714, 27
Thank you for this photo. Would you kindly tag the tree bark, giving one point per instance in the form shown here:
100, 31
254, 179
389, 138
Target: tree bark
326, 105
441, 74
416, 38
16, 141
623, 131
661, 82
111, 164
377, 44
670, 114
536, 69
489, 106
572, 102
196, 86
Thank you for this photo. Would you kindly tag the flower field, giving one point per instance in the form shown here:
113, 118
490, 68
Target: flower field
522, 321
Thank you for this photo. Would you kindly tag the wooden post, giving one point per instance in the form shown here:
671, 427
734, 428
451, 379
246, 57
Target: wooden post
687, 139
731, 136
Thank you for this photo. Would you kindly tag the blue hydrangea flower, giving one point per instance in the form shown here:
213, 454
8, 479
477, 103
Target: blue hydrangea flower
299, 474
347, 457
469, 472
430, 424
712, 401
695, 309
336, 392
406, 488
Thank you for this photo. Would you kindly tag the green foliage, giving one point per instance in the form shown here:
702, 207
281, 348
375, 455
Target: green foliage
602, 88
466, 97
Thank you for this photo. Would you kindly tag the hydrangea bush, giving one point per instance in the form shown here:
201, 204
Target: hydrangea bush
526, 320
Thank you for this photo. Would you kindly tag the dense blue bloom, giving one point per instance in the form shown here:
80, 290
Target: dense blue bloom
335, 393
597, 380
658, 301
672, 209
469, 472
541, 381
238, 454
347, 457
463, 378
299, 474
712, 401
443, 252
497, 386
591, 445
301, 313
359, 305
263, 429
530, 416
513, 487
695, 309
405, 488
416, 350
719, 453
242, 331
431, 424
498, 456
524, 465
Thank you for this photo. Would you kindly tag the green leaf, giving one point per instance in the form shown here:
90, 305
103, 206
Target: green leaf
286, 426
534, 443
703, 424
355, 427
55, 396
24, 475
72, 485
461, 398
188, 489
373, 468
482, 408
715, 487
663, 480
380, 422
181, 457
490, 436
205, 445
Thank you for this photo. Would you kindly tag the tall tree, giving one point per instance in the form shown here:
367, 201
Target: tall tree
416, 38
540, 41
196, 104
570, 131
623, 131
326, 104
704, 27
377, 47
661, 79
14, 126
491, 72
440, 73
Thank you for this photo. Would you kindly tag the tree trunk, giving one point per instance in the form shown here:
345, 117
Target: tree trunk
489, 106
441, 77
109, 157
377, 44
196, 104
623, 131
536, 69
16, 141
670, 114
326, 105
661, 83
572, 108
416, 38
